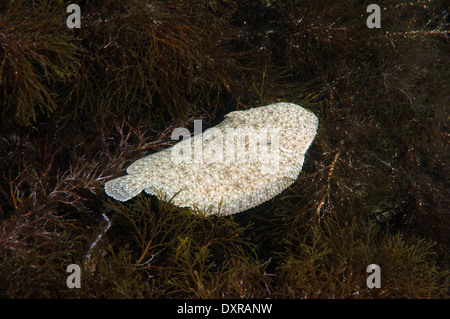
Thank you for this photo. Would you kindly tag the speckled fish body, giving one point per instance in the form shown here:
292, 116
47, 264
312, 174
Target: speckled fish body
247, 159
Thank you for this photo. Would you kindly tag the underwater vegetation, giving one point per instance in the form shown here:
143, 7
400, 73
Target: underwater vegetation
79, 105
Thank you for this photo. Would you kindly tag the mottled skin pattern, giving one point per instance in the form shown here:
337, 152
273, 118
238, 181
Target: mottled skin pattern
247, 159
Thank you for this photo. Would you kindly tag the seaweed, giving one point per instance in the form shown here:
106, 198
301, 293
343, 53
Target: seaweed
331, 260
38, 55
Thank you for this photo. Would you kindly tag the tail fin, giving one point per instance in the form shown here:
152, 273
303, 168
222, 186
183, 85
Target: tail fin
125, 187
